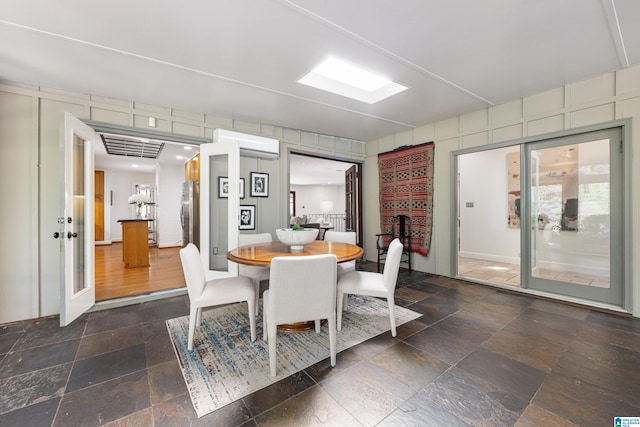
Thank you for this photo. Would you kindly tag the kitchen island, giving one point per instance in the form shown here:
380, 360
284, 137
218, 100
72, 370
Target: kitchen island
135, 242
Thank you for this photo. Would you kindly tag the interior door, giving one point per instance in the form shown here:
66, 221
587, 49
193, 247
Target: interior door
353, 189
219, 206
76, 223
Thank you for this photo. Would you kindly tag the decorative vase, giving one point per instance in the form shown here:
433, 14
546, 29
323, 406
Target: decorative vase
138, 210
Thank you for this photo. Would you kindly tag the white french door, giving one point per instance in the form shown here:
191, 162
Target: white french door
219, 210
76, 223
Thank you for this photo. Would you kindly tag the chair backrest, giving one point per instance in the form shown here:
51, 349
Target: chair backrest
252, 239
340, 236
302, 288
392, 265
193, 270
401, 229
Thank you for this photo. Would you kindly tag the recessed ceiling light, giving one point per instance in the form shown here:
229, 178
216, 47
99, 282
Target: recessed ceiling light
179, 157
187, 147
344, 79
134, 166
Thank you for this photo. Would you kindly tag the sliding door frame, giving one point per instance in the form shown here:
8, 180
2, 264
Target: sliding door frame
626, 146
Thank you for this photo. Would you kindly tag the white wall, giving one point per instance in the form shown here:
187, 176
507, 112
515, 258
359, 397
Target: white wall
600, 99
484, 231
123, 185
308, 198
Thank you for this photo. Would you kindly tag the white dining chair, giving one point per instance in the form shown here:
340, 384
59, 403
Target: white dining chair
300, 289
342, 237
206, 293
254, 272
381, 285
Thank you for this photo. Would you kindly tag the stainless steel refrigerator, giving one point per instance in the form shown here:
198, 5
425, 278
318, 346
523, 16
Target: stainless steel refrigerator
190, 213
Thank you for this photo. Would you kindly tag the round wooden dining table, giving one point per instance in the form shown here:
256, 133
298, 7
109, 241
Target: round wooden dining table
261, 254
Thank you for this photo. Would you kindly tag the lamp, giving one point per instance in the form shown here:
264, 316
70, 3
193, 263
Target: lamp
326, 207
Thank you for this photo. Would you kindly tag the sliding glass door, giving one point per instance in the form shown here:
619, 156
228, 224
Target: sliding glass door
545, 215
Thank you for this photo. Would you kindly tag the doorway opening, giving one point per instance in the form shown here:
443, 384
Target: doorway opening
326, 191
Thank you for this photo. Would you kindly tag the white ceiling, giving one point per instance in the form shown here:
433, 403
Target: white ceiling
240, 59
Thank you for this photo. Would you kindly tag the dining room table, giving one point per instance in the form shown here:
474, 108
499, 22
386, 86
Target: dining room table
261, 254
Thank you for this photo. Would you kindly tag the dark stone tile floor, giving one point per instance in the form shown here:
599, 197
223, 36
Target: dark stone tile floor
478, 356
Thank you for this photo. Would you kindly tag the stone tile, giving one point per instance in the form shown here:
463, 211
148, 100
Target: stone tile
507, 374
491, 320
411, 294
432, 311
322, 370
545, 344
106, 342
372, 346
313, 407
409, 365
270, 396
179, 412
407, 329
419, 411
164, 310
48, 331
465, 328
8, 340
33, 359
166, 382
105, 402
369, 393
104, 367
566, 326
567, 310
609, 335
442, 345
137, 419
580, 402
624, 323
106, 320
607, 366
32, 387
535, 416
38, 414
473, 400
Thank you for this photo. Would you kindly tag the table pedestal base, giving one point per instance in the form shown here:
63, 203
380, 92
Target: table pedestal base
297, 327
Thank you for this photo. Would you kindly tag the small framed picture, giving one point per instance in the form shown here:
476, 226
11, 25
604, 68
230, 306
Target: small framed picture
247, 217
259, 184
223, 187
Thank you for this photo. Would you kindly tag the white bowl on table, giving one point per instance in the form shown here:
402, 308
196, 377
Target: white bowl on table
296, 239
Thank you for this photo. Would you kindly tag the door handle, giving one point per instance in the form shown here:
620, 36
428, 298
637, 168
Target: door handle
70, 235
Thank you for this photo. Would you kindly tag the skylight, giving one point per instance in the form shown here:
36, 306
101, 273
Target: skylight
344, 79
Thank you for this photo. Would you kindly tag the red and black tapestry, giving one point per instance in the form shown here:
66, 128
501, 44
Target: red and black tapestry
406, 188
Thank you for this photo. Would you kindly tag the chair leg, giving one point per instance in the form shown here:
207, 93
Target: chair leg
272, 355
332, 339
392, 315
199, 317
340, 300
251, 305
317, 322
264, 317
193, 314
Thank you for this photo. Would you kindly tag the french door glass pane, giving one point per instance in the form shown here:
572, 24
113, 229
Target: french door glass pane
78, 214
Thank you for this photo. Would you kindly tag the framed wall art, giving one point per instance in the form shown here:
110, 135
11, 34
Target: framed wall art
259, 184
247, 217
223, 187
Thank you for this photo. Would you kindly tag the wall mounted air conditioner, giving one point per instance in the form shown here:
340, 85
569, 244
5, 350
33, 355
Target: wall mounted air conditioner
250, 145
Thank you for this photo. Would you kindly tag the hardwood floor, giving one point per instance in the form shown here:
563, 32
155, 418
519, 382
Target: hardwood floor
115, 281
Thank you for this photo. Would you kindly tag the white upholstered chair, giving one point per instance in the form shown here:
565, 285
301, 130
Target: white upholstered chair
373, 284
254, 272
203, 293
342, 237
300, 289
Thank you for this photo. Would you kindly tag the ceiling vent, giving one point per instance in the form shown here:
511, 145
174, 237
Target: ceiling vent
131, 146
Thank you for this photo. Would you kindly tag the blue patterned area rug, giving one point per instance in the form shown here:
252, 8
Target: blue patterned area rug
225, 365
